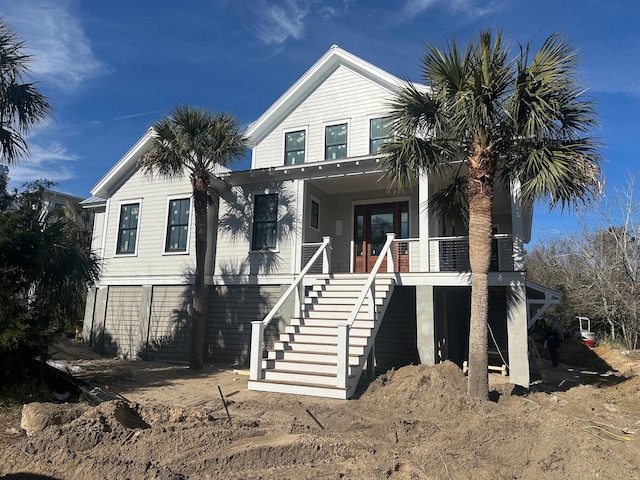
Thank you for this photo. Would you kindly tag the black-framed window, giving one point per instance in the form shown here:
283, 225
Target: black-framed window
294, 147
128, 228
314, 217
177, 225
335, 142
265, 222
379, 133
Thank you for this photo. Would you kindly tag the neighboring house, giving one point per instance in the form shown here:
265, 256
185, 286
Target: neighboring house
314, 192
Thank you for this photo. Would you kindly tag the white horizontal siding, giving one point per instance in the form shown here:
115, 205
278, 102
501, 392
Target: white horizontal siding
153, 193
344, 96
235, 228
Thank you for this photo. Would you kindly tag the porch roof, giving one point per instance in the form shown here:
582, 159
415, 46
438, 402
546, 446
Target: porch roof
348, 174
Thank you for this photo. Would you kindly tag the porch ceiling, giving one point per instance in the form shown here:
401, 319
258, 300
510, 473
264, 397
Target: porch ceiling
351, 183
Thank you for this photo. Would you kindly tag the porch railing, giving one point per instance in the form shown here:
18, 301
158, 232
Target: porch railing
452, 253
258, 327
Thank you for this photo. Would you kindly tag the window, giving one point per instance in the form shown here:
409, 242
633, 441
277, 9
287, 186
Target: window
265, 222
335, 142
379, 134
315, 215
128, 229
294, 143
177, 225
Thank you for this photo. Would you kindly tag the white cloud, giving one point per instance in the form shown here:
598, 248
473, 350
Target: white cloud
50, 162
279, 20
55, 38
414, 8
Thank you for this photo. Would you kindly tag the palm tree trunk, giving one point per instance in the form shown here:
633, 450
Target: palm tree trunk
481, 190
196, 354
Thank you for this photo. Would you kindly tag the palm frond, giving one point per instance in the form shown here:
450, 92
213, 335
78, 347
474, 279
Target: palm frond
193, 140
451, 203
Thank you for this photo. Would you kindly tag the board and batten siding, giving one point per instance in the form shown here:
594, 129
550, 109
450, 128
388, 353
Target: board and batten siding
397, 339
232, 308
121, 334
168, 334
344, 96
152, 192
235, 229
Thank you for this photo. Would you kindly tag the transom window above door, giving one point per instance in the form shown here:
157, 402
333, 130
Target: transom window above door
335, 142
379, 133
294, 147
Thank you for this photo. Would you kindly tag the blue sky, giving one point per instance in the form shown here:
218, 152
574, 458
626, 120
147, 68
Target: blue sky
112, 68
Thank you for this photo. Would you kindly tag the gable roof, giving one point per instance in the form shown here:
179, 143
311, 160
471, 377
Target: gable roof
127, 163
309, 81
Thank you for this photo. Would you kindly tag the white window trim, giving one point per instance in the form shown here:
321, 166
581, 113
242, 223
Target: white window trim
138, 229
369, 118
313, 198
265, 191
166, 223
304, 128
334, 123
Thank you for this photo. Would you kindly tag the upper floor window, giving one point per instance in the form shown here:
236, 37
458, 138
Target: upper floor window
294, 146
128, 229
177, 225
379, 134
335, 142
265, 222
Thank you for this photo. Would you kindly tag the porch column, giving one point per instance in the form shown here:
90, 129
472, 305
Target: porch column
518, 226
426, 327
423, 222
517, 333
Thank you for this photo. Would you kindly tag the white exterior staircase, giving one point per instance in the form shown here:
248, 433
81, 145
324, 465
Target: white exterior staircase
306, 358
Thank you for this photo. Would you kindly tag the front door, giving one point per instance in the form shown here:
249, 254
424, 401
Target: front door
372, 223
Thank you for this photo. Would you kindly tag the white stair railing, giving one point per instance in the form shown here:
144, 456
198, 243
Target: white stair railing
368, 292
258, 327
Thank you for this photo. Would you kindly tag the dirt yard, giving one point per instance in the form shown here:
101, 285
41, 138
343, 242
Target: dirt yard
413, 423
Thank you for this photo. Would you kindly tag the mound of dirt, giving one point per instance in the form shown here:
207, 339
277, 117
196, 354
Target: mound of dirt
411, 423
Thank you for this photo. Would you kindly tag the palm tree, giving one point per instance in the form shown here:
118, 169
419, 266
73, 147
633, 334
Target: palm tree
195, 141
521, 120
22, 106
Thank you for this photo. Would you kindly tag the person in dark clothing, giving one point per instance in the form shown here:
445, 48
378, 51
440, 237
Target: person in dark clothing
553, 343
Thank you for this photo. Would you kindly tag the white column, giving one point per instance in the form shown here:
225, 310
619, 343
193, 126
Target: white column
423, 222
517, 333
257, 340
343, 355
517, 223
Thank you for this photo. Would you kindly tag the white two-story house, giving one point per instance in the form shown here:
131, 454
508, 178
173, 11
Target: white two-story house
317, 268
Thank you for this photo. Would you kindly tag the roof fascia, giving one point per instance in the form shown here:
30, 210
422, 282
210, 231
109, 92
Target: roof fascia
124, 165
